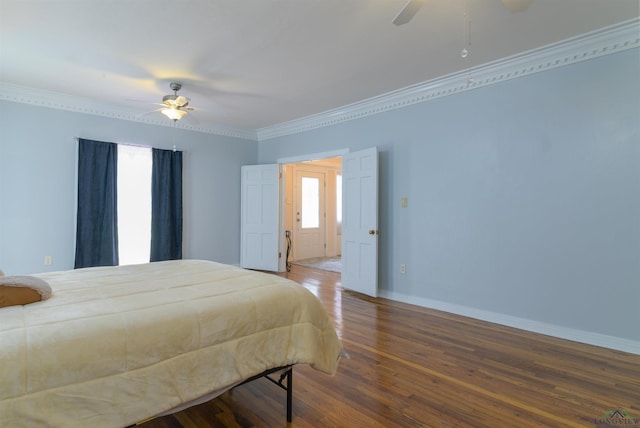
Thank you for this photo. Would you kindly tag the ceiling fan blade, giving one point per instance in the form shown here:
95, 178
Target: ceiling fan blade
516, 5
144, 102
181, 101
149, 113
408, 11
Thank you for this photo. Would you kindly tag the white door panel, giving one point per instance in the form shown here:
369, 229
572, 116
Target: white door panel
360, 221
309, 217
259, 217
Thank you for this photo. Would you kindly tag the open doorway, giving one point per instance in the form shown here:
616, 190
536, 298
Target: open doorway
263, 217
313, 213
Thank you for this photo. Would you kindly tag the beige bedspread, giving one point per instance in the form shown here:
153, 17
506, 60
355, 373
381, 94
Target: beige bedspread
114, 346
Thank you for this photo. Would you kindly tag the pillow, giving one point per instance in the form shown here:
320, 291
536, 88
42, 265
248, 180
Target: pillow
21, 290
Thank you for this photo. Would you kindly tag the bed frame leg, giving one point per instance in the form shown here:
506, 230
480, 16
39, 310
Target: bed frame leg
287, 373
289, 388
289, 393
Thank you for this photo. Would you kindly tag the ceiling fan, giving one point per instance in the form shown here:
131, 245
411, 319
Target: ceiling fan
175, 106
413, 6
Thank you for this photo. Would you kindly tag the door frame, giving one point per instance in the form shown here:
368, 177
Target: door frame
297, 159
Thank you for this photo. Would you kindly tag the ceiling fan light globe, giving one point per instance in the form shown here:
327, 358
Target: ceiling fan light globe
173, 113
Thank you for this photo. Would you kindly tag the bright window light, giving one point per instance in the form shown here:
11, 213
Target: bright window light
134, 204
310, 202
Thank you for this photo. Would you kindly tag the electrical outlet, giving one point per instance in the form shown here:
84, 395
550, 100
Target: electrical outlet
403, 268
48, 260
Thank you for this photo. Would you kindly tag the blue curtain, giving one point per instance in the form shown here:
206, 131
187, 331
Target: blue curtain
97, 219
166, 205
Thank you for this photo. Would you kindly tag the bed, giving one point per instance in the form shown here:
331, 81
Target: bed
114, 346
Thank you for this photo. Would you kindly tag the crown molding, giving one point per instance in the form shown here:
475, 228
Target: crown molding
60, 101
616, 38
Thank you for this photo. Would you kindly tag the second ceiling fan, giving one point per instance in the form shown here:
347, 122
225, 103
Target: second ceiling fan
412, 7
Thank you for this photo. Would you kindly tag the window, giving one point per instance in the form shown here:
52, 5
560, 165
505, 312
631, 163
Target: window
310, 202
131, 206
134, 204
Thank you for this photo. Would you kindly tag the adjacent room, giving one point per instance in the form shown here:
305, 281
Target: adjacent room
445, 193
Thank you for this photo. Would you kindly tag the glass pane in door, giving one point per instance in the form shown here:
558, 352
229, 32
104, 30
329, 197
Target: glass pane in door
310, 215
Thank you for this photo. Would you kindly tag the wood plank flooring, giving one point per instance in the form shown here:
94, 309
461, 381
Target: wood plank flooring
415, 367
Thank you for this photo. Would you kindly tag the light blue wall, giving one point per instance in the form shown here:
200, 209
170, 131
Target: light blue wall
38, 184
524, 196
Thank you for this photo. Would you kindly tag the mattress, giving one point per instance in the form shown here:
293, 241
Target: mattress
117, 345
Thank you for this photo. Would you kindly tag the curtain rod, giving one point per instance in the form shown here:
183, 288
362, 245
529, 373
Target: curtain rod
139, 145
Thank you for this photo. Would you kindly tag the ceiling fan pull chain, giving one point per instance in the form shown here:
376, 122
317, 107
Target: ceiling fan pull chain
467, 40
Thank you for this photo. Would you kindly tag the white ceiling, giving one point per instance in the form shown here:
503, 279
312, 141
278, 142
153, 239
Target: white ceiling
251, 64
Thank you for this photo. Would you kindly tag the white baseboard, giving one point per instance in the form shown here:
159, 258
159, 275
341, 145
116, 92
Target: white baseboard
590, 338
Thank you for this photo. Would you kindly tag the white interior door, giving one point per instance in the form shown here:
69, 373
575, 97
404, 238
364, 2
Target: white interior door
259, 245
309, 215
360, 221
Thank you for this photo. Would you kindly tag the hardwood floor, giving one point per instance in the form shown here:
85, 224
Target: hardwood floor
415, 367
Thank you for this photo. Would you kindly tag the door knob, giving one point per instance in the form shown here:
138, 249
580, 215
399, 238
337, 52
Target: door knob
374, 232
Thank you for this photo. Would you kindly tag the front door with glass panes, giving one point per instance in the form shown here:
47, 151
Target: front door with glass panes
309, 215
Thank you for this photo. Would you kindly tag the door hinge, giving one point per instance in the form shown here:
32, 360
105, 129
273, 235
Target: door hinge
279, 255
